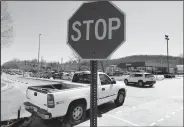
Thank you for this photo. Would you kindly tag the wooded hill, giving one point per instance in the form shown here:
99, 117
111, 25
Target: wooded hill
32, 64
151, 58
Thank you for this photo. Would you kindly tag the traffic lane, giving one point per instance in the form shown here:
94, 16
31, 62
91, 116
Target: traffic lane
173, 119
11, 100
145, 114
145, 105
164, 88
125, 107
33, 81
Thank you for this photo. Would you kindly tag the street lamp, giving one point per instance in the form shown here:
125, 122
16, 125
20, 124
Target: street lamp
39, 52
167, 38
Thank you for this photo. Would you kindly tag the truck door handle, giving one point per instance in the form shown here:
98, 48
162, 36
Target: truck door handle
35, 93
103, 89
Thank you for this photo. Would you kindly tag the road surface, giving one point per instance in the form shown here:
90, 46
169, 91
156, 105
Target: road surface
160, 105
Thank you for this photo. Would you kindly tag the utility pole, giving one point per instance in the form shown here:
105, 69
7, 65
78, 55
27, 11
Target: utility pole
39, 53
167, 38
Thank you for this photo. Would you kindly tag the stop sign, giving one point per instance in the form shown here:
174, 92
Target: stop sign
96, 30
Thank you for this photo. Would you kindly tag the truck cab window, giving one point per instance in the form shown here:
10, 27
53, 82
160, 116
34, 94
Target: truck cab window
105, 80
82, 78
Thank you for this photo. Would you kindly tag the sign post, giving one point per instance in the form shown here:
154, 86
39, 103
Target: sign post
95, 31
93, 93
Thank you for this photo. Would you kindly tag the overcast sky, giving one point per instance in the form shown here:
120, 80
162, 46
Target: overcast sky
147, 24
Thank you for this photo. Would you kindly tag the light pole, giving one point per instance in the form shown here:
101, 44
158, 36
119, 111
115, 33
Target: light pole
41, 62
167, 38
39, 53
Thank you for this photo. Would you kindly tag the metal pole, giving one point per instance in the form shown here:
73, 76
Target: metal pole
167, 56
39, 52
93, 94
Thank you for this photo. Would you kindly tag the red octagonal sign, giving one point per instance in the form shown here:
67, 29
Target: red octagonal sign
96, 30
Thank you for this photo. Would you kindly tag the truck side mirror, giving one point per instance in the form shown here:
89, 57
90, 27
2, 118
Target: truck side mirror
113, 81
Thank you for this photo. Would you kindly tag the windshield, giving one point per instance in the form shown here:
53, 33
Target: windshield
149, 75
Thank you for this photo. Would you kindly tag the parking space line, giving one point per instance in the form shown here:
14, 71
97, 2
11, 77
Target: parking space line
167, 116
160, 120
118, 112
152, 124
149, 102
123, 120
173, 113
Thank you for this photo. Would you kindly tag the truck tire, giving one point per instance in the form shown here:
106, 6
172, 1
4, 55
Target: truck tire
126, 82
76, 113
120, 98
140, 83
151, 85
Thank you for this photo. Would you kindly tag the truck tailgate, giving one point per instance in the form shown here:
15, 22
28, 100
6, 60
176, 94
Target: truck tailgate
37, 96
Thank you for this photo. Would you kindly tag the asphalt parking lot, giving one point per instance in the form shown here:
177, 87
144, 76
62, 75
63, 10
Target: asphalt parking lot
160, 105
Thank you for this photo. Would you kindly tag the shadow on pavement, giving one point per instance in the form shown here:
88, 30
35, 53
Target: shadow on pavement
38, 122
145, 86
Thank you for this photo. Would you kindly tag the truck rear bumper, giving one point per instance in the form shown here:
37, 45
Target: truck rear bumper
42, 113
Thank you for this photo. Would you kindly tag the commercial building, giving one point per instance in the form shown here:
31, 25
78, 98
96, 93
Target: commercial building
179, 69
148, 66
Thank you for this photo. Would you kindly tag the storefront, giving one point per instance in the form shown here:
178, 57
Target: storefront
147, 66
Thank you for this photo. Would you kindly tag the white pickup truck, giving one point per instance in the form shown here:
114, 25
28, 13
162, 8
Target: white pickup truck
71, 99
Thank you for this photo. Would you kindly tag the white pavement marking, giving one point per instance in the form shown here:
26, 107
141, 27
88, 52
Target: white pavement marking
160, 120
149, 102
118, 112
173, 113
123, 120
134, 107
152, 124
167, 116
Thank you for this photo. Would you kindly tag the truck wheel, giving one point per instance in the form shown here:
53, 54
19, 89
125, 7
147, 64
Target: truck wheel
140, 83
151, 85
76, 113
126, 82
120, 98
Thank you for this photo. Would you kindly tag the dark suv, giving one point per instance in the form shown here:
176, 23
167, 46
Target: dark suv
57, 75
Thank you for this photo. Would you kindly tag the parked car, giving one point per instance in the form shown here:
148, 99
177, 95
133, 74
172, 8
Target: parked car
57, 75
47, 75
66, 76
19, 73
141, 79
71, 99
12, 73
169, 76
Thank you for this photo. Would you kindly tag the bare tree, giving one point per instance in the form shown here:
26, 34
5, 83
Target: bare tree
181, 55
6, 26
81, 64
102, 65
77, 59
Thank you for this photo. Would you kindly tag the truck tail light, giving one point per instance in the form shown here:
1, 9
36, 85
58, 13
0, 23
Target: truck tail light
50, 101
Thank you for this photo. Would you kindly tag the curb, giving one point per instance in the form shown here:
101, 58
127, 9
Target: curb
6, 87
51, 80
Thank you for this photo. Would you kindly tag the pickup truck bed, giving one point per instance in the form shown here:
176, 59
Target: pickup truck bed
55, 87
